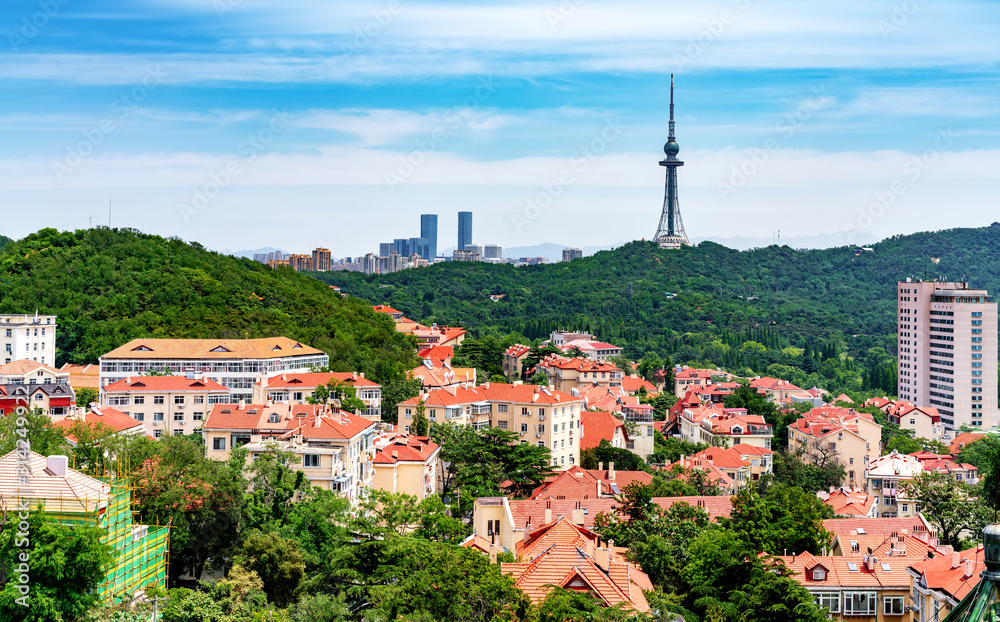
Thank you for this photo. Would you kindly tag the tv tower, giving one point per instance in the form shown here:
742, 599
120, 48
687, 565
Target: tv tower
670, 233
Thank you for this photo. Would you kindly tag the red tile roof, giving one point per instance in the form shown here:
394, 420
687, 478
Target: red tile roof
406, 448
292, 419
578, 483
962, 440
839, 573
172, 384
117, 420
942, 574
598, 426
634, 383
850, 503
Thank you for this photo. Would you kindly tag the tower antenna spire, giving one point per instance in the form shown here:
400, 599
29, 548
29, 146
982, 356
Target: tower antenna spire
670, 232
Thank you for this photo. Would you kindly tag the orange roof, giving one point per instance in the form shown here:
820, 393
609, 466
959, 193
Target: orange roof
718, 506
712, 472
566, 565
406, 448
847, 572
557, 532
941, 573
850, 503
555, 361
578, 483
117, 420
722, 457
437, 353
21, 367
289, 420
517, 350
311, 380
143, 384
386, 309
598, 426
440, 375
529, 513
962, 440
83, 376
268, 348
849, 526
495, 392
773, 384
634, 383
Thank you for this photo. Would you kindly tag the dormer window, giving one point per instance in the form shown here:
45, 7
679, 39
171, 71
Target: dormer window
220, 349
737, 429
274, 418
275, 347
142, 349
818, 574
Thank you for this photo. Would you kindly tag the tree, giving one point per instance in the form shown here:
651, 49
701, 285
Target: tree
85, 396
343, 392
272, 486
36, 428
790, 470
63, 566
948, 504
782, 519
395, 390
905, 443
978, 453
604, 453
278, 562
419, 426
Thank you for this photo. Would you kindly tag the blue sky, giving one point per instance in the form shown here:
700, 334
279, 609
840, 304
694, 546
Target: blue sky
244, 123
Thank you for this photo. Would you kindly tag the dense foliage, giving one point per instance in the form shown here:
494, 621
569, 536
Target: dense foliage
111, 285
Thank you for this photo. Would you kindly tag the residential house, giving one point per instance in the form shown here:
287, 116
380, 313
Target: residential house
539, 414
166, 405
871, 587
52, 399
114, 419
960, 471
513, 360
578, 483
406, 464
47, 484
850, 502
334, 449
434, 374
827, 433
633, 383
962, 440
234, 363
569, 556
941, 583
779, 390
845, 529
687, 378
426, 336
602, 426
884, 477
713, 474
83, 376
297, 388
438, 354
26, 371
585, 344
923, 421
725, 427
566, 374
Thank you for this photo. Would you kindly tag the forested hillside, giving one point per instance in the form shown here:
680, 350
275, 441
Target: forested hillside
706, 303
109, 286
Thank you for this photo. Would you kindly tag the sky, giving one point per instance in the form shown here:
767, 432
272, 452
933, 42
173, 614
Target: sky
243, 124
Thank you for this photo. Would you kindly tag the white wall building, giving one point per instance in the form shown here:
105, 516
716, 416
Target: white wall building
28, 337
948, 351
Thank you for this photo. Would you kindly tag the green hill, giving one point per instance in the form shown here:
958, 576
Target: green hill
699, 303
109, 286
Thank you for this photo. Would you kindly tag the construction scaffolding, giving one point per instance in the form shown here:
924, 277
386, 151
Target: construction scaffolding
139, 552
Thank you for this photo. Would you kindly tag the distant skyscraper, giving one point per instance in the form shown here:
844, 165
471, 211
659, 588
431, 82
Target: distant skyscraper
670, 233
429, 232
492, 251
569, 254
321, 259
948, 352
464, 230
385, 249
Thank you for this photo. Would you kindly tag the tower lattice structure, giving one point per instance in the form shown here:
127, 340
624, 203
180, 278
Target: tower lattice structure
670, 233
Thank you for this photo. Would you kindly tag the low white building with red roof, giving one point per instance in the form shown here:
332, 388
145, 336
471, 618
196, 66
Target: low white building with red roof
850, 501
729, 426
922, 421
99, 417
945, 465
166, 405
334, 449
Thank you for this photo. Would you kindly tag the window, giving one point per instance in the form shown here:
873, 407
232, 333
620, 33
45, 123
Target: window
157, 416
140, 399
502, 408
274, 418
218, 444
541, 443
197, 416
524, 428
198, 399
178, 400
830, 601
892, 605
138, 416
541, 428
310, 460
178, 432
178, 416
157, 433
157, 399
860, 603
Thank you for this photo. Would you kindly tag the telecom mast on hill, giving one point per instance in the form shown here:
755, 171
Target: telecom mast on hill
670, 233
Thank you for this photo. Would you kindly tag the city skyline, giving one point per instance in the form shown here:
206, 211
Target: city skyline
329, 114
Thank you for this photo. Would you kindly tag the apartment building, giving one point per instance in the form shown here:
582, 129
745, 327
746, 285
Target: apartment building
234, 363
923, 421
827, 433
569, 254
297, 388
26, 371
513, 360
947, 347
333, 449
321, 259
165, 405
538, 414
566, 374
884, 477
688, 378
30, 337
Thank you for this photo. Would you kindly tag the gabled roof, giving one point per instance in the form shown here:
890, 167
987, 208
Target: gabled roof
272, 347
773, 384
578, 483
942, 574
847, 572
116, 419
74, 491
962, 440
406, 448
292, 419
633, 383
517, 350
22, 367
598, 426
848, 526
850, 503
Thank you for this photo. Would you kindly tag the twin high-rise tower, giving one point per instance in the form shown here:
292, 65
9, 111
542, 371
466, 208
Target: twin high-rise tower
670, 233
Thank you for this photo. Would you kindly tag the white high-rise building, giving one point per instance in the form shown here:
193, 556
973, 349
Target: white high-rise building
31, 337
948, 351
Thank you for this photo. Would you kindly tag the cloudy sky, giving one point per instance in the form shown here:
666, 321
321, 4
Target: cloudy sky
243, 123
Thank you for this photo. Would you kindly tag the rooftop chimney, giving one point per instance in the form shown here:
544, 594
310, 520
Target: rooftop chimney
493, 553
548, 516
56, 465
242, 405
600, 466
578, 517
970, 567
318, 421
602, 558
956, 559
611, 471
